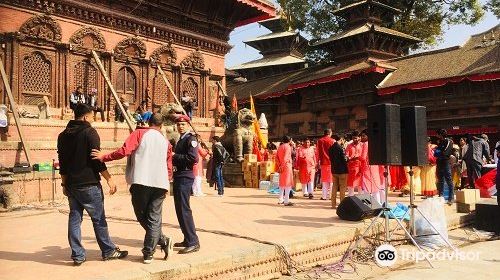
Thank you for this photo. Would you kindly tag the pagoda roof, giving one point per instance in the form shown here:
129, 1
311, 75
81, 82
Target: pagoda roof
274, 24
287, 83
365, 28
273, 35
349, 7
264, 9
269, 61
477, 59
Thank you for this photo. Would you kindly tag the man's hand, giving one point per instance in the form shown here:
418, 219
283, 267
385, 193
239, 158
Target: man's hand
96, 154
112, 186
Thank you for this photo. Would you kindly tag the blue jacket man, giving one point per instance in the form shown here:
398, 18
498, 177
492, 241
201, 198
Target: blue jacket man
185, 156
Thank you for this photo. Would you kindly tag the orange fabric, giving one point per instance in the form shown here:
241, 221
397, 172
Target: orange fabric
284, 165
323, 145
372, 175
198, 167
306, 162
353, 153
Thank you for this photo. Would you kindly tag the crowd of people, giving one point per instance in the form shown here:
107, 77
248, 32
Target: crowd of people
340, 163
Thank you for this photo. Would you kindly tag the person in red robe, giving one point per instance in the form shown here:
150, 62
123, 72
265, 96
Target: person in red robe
372, 178
353, 153
284, 165
323, 146
398, 177
198, 169
306, 162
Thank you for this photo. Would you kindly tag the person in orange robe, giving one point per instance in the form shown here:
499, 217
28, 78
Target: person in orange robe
284, 166
306, 162
198, 169
323, 146
372, 178
353, 153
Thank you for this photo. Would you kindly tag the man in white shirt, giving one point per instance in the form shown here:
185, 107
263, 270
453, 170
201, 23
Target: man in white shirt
147, 155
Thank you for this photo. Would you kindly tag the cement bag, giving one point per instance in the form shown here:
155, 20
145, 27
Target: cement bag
433, 210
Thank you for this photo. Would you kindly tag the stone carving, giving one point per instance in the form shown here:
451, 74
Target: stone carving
42, 27
131, 46
165, 54
238, 137
169, 111
78, 38
194, 60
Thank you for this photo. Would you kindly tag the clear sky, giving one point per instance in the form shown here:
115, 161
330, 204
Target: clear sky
240, 53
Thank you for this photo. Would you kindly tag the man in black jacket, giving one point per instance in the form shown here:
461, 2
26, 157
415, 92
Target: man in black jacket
443, 169
81, 184
338, 161
219, 153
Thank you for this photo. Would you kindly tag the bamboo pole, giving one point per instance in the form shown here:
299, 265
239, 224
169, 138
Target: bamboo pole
115, 95
13, 106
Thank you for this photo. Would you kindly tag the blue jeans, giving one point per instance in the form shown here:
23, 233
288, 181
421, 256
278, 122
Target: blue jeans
219, 180
91, 199
443, 171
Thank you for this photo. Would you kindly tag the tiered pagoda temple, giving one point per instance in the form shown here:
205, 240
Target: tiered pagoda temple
282, 50
460, 86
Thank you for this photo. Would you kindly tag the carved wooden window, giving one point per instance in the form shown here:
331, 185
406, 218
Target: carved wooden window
126, 84
161, 96
190, 88
36, 75
85, 75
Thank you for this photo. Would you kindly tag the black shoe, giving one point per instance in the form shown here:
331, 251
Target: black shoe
167, 247
147, 259
180, 244
289, 204
190, 249
78, 262
116, 254
323, 198
311, 196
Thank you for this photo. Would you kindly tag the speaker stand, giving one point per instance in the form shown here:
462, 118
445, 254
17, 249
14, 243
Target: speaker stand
412, 208
387, 236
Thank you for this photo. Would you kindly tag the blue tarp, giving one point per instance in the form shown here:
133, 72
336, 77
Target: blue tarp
275, 190
398, 211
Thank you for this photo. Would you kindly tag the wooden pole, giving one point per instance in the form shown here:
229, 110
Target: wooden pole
169, 86
221, 88
13, 106
115, 95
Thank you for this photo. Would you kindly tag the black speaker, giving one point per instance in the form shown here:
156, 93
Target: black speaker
358, 207
413, 136
384, 134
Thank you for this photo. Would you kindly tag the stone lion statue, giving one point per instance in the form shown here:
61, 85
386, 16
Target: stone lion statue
238, 137
169, 112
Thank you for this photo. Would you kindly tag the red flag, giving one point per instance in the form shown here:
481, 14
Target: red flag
234, 104
486, 184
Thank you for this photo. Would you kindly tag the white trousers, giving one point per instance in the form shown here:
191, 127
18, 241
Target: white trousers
197, 186
284, 195
350, 191
325, 190
308, 188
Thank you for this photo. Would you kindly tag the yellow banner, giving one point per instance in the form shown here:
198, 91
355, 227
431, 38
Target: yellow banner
256, 126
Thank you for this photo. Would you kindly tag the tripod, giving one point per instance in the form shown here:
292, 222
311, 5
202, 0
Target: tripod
412, 208
386, 211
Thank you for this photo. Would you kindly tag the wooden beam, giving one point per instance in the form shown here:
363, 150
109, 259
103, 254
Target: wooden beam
221, 88
13, 106
115, 95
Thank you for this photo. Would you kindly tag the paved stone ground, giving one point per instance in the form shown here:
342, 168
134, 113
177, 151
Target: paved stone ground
33, 243
484, 267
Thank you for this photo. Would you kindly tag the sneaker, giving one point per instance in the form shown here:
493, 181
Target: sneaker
167, 247
116, 254
280, 202
323, 198
306, 195
78, 262
288, 204
147, 259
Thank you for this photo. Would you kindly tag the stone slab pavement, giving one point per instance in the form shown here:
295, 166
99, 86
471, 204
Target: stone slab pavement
33, 242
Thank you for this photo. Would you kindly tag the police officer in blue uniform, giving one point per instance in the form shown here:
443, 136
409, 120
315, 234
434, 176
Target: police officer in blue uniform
185, 156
